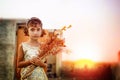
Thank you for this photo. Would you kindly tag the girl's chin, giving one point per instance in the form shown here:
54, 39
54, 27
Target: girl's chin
35, 38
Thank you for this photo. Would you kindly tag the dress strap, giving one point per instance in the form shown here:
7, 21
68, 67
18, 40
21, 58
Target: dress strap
24, 46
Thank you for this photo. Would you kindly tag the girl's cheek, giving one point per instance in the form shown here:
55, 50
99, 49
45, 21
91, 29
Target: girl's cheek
30, 33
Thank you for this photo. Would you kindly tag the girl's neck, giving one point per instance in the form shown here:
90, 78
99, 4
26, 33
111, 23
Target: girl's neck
33, 42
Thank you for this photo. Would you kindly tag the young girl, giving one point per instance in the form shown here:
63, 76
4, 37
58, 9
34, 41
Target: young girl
29, 50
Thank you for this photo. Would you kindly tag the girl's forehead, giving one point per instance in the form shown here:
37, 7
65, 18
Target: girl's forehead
35, 26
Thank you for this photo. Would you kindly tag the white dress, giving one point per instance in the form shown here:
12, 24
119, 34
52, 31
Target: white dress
38, 73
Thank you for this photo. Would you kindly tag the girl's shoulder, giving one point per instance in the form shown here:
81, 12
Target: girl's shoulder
24, 45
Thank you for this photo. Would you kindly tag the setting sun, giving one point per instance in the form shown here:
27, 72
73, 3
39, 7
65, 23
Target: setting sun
84, 63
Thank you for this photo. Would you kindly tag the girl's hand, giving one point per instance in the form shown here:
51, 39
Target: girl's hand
33, 60
40, 63
36, 61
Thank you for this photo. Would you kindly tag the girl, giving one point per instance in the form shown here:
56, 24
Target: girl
29, 50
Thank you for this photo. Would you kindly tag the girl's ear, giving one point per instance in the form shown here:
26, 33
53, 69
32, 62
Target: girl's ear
44, 32
26, 31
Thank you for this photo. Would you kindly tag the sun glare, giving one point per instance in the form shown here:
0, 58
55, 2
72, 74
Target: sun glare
84, 63
88, 51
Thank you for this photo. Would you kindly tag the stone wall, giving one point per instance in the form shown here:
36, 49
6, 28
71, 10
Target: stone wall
7, 48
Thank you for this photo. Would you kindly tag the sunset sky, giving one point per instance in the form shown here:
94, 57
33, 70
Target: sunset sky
95, 32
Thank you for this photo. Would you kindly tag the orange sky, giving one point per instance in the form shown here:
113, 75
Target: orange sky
95, 43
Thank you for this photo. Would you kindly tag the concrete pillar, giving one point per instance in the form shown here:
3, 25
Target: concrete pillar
7, 48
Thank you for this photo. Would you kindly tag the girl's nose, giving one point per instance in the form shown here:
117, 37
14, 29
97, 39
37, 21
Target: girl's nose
35, 32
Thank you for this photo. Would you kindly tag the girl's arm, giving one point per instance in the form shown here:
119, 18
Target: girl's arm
21, 62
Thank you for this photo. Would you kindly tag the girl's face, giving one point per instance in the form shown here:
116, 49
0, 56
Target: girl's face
35, 32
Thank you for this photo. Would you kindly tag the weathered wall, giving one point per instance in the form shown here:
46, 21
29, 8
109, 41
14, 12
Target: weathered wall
7, 48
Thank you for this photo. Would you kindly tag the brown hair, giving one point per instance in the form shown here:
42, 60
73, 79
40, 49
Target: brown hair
33, 22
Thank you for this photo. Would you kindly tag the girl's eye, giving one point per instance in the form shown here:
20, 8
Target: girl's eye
32, 29
38, 29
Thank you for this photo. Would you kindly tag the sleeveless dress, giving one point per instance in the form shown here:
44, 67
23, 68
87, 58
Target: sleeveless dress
38, 73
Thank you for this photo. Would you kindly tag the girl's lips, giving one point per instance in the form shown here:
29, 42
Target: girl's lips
35, 35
